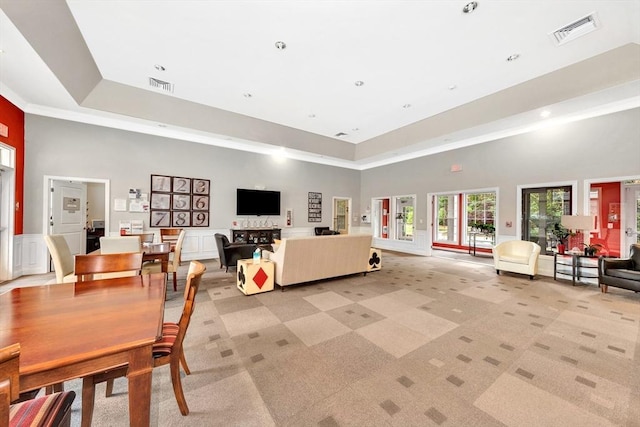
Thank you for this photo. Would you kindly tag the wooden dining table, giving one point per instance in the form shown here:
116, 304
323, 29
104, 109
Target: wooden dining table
152, 252
72, 330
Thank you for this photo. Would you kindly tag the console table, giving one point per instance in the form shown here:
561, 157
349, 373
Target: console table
257, 236
576, 266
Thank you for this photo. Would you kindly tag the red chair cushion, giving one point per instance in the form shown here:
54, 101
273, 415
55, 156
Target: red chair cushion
164, 346
47, 410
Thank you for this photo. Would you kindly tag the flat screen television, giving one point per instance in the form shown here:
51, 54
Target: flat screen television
257, 202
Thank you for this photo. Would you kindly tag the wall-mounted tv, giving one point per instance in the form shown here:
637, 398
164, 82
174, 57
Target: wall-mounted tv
257, 202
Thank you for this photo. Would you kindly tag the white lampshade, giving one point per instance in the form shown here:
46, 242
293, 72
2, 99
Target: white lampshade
578, 222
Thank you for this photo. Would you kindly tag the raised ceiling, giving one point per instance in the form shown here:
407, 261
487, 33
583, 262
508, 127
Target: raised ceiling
359, 83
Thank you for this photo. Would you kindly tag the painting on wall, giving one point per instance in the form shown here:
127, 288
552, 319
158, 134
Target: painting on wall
178, 201
315, 207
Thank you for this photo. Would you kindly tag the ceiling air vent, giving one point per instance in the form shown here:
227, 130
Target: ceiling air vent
576, 29
339, 134
161, 84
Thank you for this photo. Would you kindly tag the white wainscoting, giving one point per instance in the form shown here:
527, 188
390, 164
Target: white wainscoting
416, 247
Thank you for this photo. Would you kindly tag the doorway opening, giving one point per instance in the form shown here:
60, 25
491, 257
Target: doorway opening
70, 207
341, 219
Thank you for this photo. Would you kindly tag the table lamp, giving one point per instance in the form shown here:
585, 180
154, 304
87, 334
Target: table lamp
578, 224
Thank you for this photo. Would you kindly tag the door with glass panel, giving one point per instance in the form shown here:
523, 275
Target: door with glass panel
446, 230
631, 217
404, 212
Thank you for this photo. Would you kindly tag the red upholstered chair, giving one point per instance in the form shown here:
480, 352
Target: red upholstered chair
51, 410
168, 350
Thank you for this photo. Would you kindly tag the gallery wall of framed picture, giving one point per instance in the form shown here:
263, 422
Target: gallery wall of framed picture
177, 201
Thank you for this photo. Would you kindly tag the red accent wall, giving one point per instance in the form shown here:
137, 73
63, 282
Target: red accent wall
13, 118
385, 218
609, 214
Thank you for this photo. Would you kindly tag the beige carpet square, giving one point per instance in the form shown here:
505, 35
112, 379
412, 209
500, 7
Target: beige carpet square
316, 328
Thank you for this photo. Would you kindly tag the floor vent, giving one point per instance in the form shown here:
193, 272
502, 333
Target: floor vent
161, 84
576, 29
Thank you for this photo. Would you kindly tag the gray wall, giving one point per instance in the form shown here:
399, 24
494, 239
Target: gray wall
602, 147
64, 148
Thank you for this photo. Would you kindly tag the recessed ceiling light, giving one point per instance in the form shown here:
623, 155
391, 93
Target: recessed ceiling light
452, 87
247, 95
359, 83
513, 57
470, 7
545, 114
280, 45
406, 106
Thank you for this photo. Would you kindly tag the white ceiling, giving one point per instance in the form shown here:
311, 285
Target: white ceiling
428, 56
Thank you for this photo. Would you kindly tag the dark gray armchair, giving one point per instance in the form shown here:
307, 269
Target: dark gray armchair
620, 272
230, 253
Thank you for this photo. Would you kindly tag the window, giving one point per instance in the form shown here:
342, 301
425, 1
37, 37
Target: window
462, 215
481, 212
542, 208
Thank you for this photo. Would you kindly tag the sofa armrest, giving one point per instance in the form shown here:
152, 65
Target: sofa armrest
606, 264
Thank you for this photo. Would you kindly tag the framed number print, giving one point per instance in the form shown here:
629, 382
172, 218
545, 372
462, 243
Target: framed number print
161, 183
200, 203
160, 201
181, 185
181, 202
180, 219
178, 201
160, 219
200, 186
199, 219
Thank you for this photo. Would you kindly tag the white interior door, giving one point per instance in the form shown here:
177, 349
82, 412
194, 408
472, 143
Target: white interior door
631, 225
68, 214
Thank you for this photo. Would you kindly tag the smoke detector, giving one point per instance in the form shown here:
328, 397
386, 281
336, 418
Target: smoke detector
576, 29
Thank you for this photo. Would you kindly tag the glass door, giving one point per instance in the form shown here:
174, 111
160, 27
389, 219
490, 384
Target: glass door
447, 219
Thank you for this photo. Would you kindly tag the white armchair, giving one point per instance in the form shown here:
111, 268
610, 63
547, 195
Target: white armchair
517, 256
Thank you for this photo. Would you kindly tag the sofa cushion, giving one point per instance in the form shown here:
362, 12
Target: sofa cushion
624, 274
514, 259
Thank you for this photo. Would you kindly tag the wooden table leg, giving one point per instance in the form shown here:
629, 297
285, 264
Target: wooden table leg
139, 376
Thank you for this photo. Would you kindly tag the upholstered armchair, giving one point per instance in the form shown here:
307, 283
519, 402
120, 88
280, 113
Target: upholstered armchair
620, 272
517, 256
230, 253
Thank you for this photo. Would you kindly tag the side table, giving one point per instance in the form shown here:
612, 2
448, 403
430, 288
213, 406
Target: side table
577, 266
254, 278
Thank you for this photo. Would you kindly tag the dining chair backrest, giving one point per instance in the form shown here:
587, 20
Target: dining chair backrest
119, 244
61, 256
175, 261
104, 266
48, 410
144, 237
170, 235
194, 275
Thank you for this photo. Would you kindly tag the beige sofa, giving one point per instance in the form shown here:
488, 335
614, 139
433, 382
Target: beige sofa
517, 256
304, 259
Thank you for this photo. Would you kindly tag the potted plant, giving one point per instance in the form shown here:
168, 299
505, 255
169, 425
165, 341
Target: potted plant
561, 233
591, 249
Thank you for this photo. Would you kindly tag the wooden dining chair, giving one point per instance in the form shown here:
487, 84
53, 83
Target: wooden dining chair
61, 257
48, 410
170, 235
167, 350
119, 244
104, 266
174, 262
